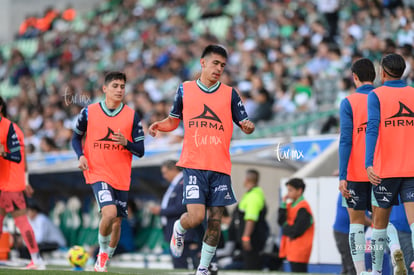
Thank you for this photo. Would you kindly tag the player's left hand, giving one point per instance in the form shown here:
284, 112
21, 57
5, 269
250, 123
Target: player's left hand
28, 190
343, 187
247, 126
119, 138
372, 176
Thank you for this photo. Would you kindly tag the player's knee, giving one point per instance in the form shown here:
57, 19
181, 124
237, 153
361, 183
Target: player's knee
21, 222
109, 212
117, 222
196, 219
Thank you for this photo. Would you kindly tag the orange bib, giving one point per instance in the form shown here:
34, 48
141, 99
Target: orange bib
395, 146
356, 164
17, 181
297, 250
108, 162
208, 128
4, 164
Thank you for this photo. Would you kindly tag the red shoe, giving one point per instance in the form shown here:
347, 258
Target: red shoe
33, 266
100, 265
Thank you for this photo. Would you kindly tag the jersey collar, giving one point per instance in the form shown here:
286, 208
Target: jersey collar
365, 89
301, 198
206, 89
108, 112
395, 83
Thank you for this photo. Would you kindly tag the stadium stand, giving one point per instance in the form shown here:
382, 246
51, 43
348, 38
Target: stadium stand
282, 47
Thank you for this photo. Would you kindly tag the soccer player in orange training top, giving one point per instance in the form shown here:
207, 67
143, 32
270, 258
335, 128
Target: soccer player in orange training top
353, 180
208, 109
13, 182
113, 133
389, 149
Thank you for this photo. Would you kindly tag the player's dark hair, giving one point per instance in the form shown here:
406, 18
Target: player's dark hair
253, 175
217, 49
364, 69
393, 65
3, 108
296, 183
111, 76
170, 164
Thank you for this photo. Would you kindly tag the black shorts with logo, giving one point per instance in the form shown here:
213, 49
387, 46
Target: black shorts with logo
107, 195
386, 193
360, 198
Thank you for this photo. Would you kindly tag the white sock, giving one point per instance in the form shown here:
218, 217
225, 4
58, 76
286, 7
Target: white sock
357, 246
392, 240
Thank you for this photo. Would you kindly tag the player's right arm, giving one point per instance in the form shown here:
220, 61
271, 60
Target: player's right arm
78, 132
345, 144
173, 120
166, 125
14, 147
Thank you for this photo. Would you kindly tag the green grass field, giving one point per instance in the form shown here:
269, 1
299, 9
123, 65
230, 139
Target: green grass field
113, 271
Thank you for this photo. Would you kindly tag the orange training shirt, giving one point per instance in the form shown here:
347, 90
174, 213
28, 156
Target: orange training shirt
356, 163
394, 148
107, 161
208, 128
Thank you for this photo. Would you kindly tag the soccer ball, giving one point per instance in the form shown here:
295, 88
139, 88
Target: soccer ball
77, 256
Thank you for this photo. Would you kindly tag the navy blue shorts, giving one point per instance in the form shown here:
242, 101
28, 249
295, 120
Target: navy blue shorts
360, 195
207, 187
106, 195
386, 194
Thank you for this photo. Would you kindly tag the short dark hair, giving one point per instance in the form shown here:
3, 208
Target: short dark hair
296, 183
3, 106
170, 164
115, 75
253, 175
393, 65
217, 49
364, 69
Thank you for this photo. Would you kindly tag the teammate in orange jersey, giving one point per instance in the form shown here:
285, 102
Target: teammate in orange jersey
389, 148
208, 109
12, 198
353, 180
113, 134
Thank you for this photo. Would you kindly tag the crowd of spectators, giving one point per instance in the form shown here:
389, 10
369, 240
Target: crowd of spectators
284, 57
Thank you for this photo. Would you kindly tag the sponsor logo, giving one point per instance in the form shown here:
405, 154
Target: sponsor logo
220, 188
107, 142
382, 188
207, 119
352, 192
227, 196
385, 199
121, 203
410, 195
104, 195
108, 136
192, 192
362, 128
352, 201
397, 121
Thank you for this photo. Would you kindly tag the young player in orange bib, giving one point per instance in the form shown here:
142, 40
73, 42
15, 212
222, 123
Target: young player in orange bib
208, 109
113, 134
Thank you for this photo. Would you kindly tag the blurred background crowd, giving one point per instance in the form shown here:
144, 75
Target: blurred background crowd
285, 57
